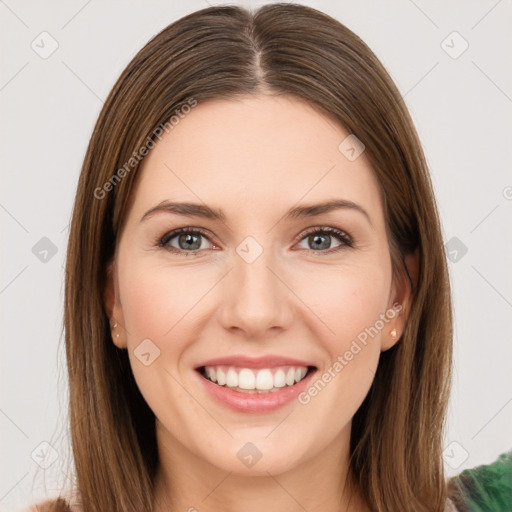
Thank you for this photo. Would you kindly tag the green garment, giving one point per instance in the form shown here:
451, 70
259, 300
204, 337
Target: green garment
486, 488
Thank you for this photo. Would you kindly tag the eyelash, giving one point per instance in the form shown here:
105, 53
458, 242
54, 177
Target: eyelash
345, 239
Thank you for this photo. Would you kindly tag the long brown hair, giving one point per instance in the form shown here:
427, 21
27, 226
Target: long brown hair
222, 52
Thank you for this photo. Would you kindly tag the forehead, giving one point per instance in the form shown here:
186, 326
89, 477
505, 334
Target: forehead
254, 152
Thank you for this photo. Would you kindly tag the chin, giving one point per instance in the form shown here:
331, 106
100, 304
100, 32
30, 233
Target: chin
253, 455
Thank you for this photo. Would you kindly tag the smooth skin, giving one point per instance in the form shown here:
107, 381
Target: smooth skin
306, 297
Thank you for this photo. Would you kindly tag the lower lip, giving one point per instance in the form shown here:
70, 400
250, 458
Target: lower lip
255, 402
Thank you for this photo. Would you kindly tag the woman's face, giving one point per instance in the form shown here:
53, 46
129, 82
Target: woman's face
255, 296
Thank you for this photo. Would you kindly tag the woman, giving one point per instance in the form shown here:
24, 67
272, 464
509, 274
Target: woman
298, 357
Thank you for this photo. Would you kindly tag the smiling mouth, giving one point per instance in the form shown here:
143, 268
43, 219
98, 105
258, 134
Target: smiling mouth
256, 381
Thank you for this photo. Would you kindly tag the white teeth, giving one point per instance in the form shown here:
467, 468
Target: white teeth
246, 379
299, 373
290, 377
279, 379
221, 377
263, 380
231, 378
210, 371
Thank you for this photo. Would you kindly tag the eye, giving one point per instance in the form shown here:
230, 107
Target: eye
318, 239
188, 241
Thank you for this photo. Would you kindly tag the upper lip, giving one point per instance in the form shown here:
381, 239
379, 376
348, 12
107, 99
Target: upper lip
241, 361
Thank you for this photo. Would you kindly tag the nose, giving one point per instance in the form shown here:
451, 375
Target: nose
256, 298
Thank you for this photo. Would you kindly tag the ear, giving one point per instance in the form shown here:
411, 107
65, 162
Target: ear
402, 293
113, 306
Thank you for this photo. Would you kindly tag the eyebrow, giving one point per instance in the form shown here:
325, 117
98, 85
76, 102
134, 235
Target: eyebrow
298, 212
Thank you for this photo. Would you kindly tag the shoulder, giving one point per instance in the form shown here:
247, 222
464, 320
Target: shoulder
450, 506
53, 505
487, 488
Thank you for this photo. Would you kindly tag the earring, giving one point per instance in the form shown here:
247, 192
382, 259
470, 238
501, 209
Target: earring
393, 333
113, 327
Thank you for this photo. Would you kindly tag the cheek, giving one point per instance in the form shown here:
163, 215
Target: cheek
159, 305
349, 309
346, 301
155, 300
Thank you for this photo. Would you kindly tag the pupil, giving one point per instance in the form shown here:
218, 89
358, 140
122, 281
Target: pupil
318, 238
189, 240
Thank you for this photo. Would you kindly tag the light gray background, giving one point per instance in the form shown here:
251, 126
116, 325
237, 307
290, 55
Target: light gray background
462, 109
